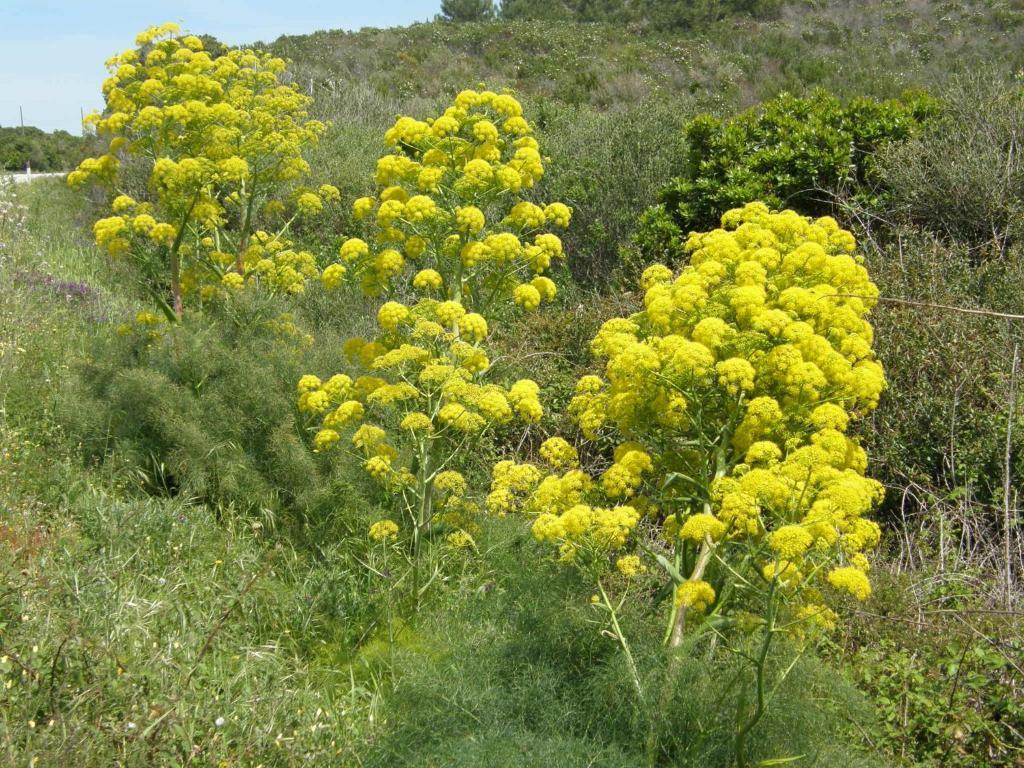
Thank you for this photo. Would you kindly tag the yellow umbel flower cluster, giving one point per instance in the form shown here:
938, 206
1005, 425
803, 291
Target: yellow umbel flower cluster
449, 228
383, 530
221, 138
448, 209
729, 398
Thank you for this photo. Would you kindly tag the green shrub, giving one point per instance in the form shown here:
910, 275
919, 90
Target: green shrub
938, 439
790, 152
207, 410
57, 151
605, 165
946, 684
514, 675
963, 176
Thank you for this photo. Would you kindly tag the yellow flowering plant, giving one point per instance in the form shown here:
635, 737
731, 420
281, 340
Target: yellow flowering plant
726, 404
451, 231
219, 139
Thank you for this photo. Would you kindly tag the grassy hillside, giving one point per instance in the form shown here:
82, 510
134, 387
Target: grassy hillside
589, 83
871, 48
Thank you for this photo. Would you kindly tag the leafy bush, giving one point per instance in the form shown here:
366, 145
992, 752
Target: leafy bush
636, 146
57, 151
939, 435
453, 229
789, 152
732, 480
947, 684
219, 140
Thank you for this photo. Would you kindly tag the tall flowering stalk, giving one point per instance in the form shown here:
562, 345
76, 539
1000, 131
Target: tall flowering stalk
219, 138
726, 403
449, 231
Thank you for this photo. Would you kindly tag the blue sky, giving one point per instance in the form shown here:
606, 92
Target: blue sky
52, 51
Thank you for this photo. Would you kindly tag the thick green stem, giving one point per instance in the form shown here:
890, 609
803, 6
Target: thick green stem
673, 639
423, 514
630, 662
759, 669
176, 300
243, 238
674, 611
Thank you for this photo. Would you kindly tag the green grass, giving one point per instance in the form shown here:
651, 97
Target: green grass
135, 625
130, 624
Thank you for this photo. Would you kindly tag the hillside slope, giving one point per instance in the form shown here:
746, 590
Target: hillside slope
863, 47
610, 101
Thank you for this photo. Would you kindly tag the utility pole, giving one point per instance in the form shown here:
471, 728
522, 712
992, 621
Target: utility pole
28, 162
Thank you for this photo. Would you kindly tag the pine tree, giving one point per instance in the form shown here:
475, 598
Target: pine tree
467, 10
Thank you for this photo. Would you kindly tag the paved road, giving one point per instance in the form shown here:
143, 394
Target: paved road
20, 178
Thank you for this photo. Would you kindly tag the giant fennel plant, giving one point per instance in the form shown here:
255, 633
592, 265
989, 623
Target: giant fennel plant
725, 404
450, 241
218, 138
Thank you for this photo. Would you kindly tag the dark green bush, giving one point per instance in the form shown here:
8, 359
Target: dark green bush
57, 151
790, 152
605, 165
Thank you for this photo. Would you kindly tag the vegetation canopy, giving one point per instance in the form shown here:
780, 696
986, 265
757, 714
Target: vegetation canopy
558, 384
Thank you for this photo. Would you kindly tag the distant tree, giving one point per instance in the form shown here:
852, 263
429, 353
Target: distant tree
467, 10
538, 10
57, 151
672, 14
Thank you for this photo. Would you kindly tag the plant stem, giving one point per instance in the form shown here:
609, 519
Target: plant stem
424, 513
243, 238
674, 610
630, 662
679, 627
759, 665
176, 300
1007, 475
